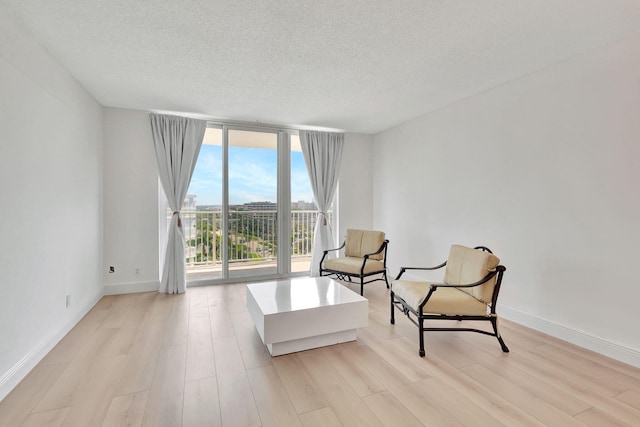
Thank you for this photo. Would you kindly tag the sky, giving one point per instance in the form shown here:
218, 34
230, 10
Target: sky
252, 176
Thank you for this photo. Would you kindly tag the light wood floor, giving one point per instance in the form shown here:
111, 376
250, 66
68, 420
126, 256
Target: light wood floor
195, 360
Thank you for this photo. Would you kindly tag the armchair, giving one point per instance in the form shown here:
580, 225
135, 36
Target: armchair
469, 291
365, 255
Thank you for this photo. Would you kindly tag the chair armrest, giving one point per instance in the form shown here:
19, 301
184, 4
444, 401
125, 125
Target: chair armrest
485, 279
325, 252
336, 249
382, 247
403, 269
365, 257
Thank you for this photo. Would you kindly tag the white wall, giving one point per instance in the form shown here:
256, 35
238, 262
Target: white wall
51, 202
545, 171
355, 191
131, 216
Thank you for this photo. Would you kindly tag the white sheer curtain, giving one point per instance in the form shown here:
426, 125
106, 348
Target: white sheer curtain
177, 141
322, 153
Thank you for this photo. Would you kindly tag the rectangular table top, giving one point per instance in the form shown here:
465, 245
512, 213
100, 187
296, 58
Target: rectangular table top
300, 294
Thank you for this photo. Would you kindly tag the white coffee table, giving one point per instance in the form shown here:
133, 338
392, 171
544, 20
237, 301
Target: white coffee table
304, 313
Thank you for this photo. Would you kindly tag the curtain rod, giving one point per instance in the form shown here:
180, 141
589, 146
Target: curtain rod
257, 123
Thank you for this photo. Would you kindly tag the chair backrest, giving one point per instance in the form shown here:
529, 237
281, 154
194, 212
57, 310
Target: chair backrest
362, 242
467, 265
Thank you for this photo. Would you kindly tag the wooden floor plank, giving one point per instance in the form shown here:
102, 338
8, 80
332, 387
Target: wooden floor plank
534, 385
426, 410
143, 358
126, 410
237, 405
118, 311
198, 302
161, 309
254, 353
200, 358
443, 396
324, 417
408, 364
53, 418
352, 370
274, 405
91, 403
128, 326
586, 354
18, 404
619, 381
481, 395
390, 411
344, 401
379, 369
597, 418
72, 380
303, 391
201, 407
166, 396
534, 406
75, 341
630, 397
566, 381
221, 326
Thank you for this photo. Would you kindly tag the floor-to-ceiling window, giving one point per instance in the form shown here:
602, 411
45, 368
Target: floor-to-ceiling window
249, 212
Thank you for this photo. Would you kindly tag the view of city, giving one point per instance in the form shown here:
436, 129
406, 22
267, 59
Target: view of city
253, 231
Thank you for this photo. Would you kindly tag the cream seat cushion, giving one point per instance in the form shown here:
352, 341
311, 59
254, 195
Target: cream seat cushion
352, 265
442, 301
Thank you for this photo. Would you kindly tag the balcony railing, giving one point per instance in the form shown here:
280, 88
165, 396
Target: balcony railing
252, 237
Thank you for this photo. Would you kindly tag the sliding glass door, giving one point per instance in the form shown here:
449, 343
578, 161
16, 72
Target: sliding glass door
252, 208
239, 218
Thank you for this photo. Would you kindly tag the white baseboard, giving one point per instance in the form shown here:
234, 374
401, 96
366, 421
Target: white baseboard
19, 371
129, 288
606, 348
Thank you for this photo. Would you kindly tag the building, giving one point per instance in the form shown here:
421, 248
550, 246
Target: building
301, 205
190, 202
260, 206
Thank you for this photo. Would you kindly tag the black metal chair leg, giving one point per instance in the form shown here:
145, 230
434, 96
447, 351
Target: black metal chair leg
494, 323
503, 345
393, 311
362, 286
420, 329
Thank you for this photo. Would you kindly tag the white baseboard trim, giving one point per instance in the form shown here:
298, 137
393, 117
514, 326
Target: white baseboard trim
19, 371
129, 288
606, 348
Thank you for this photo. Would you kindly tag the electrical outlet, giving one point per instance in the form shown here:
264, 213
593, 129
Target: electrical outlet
68, 301
112, 269
137, 271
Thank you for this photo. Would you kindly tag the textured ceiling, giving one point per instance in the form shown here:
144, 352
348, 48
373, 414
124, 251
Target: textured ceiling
357, 65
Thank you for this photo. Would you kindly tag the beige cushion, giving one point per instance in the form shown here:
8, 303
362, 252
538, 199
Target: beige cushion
352, 265
467, 265
362, 242
442, 301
